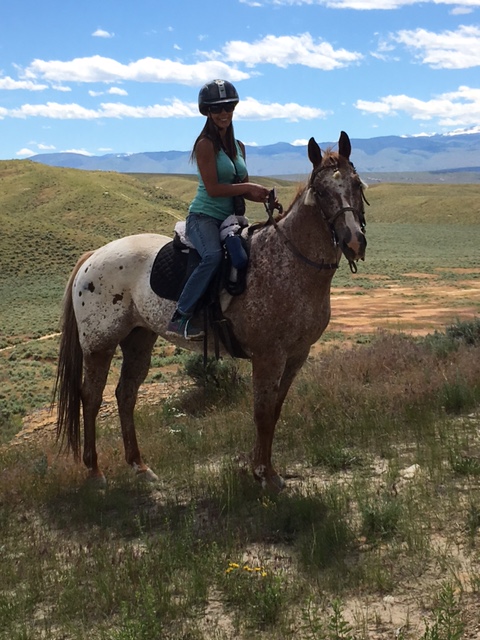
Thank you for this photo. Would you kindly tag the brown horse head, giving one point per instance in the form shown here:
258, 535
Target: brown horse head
336, 190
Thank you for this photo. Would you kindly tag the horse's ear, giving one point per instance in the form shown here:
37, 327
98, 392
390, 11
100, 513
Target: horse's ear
344, 146
314, 153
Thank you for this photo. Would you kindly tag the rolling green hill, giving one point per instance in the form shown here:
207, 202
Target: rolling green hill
49, 216
424, 203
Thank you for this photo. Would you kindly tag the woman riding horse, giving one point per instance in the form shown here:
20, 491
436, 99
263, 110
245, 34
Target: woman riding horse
223, 178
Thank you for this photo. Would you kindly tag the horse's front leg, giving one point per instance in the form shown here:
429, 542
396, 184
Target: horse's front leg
272, 378
267, 375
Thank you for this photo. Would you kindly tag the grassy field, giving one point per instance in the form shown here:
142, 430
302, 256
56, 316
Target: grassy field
377, 535
50, 216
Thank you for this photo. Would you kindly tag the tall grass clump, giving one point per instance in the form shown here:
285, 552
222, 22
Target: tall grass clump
214, 381
371, 395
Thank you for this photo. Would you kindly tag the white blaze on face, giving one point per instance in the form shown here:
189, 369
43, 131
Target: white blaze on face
351, 223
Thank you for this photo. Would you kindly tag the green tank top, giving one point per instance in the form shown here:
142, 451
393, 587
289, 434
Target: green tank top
219, 208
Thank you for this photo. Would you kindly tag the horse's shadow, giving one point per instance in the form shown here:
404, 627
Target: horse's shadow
230, 510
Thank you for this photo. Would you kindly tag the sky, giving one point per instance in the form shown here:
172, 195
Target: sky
122, 76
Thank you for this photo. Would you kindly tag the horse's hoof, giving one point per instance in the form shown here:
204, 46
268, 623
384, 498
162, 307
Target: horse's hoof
275, 484
145, 475
97, 481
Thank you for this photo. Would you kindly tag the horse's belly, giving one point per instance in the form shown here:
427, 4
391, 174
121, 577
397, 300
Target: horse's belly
110, 286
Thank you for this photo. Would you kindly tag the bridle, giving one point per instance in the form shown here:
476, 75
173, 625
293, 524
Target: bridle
271, 205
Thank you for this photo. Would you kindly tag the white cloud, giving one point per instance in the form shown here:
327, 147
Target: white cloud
176, 109
25, 153
101, 33
248, 109
459, 108
45, 147
300, 143
82, 152
284, 51
116, 91
100, 69
461, 11
54, 110
9, 84
251, 109
458, 49
361, 5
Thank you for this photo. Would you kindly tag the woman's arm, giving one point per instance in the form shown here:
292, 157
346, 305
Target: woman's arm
205, 156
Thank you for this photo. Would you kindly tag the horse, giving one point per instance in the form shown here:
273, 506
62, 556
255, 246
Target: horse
283, 310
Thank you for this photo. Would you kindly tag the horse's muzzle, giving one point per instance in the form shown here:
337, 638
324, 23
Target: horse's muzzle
353, 245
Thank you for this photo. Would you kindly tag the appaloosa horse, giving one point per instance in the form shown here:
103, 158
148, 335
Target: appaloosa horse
284, 309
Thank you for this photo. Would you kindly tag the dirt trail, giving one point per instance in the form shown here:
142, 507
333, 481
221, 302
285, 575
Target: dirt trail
41, 424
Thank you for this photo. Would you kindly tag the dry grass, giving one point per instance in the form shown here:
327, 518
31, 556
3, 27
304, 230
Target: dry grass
376, 534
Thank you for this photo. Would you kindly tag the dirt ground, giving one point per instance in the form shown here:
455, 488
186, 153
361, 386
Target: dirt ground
427, 304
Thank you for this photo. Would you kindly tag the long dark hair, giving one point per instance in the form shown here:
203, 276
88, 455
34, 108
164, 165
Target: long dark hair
210, 131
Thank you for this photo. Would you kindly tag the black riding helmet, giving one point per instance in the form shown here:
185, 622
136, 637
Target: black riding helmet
216, 92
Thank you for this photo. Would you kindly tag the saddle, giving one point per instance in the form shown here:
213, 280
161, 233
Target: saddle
174, 264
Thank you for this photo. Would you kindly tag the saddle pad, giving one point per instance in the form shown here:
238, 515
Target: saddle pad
173, 265
169, 272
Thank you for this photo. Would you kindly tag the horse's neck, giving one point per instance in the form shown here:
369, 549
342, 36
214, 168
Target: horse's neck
307, 229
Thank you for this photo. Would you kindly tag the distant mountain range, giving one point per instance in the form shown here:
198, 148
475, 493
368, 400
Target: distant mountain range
389, 154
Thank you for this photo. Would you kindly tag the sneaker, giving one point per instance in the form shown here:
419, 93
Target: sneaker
192, 331
181, 325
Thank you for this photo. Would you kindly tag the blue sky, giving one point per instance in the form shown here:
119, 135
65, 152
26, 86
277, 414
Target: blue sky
117, 76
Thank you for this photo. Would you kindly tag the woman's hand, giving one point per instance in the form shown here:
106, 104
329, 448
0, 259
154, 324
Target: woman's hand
255, 192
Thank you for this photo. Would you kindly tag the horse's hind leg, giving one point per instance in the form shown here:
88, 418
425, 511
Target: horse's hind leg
137, 350
96, 367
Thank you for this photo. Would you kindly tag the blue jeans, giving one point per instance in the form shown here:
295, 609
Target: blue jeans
203, 233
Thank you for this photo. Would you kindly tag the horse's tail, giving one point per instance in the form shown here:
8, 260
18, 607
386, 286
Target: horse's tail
68, 383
